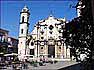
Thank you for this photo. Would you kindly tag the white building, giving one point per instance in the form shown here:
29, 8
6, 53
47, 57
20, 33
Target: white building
45, 40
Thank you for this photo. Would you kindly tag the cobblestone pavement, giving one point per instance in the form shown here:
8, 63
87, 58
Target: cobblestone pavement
48, 66
55, 66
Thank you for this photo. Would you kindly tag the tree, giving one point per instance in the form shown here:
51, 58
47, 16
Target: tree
79, 35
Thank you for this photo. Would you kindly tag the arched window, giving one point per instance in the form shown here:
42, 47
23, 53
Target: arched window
21, 31
23, 19
32, 43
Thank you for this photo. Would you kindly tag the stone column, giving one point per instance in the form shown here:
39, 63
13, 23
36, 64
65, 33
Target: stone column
38, 49
68, 52
46, 50
62, 51
27, 50
35, 51
65, 51
56, 51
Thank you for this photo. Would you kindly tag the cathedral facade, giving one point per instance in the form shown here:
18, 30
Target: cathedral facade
46, 39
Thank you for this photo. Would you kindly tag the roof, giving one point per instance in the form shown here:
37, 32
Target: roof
25, 9
52, 17
13, 38
3, 30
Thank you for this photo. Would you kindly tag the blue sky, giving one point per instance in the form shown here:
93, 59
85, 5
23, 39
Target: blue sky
10, 13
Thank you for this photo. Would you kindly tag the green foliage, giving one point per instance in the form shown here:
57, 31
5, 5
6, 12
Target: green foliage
3, 47
79, 35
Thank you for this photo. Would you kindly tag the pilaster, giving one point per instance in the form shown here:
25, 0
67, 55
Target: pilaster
56, 51
65, 51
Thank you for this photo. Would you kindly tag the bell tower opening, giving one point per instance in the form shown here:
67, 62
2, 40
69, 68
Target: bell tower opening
21, 31
22, 19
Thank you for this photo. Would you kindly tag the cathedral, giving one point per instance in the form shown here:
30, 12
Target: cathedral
46, 39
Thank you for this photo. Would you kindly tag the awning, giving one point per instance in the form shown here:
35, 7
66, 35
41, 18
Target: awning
11, 54
28, 55
1, 53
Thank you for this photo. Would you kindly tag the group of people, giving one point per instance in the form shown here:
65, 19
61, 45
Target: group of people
13, 63
20, 66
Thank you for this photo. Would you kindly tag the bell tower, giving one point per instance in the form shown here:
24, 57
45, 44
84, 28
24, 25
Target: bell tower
23, 32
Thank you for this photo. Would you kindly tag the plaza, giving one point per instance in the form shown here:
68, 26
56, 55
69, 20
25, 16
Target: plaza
47, 66
61, 40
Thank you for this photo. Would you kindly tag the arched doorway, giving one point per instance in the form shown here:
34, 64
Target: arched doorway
51, 50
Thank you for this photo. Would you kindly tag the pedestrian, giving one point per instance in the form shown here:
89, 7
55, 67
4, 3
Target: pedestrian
23, 65
13, 67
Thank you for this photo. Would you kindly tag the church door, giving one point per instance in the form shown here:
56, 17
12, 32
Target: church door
51, 51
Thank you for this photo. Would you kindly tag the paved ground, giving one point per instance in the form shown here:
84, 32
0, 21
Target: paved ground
48, 66
56, 66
